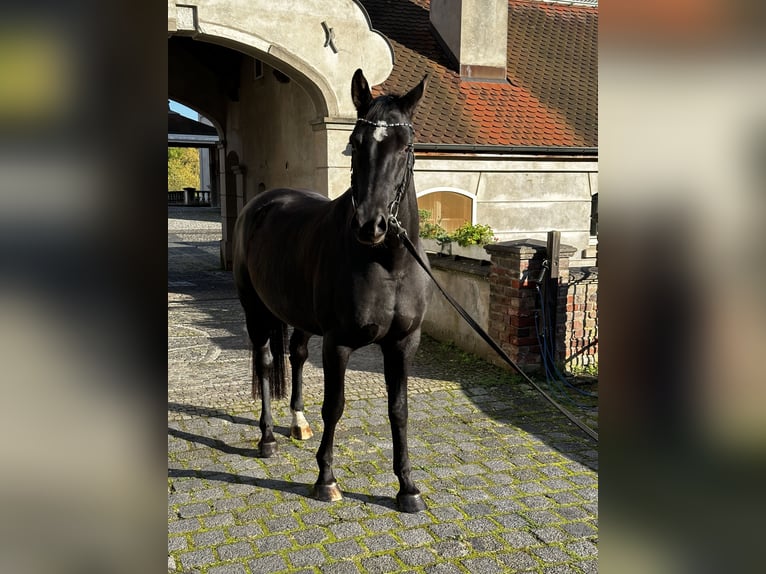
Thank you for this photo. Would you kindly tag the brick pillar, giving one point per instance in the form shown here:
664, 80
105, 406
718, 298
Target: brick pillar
513, 299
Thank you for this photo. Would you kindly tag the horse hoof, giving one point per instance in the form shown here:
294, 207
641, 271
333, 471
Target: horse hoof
301, 433
267, 449
327, 492
300, 428
410, 503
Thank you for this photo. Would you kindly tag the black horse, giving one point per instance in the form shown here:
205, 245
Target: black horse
339, 269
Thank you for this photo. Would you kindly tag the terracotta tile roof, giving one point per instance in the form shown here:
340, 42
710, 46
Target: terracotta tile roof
550, 99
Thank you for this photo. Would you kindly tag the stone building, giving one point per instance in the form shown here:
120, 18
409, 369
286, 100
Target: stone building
506, 134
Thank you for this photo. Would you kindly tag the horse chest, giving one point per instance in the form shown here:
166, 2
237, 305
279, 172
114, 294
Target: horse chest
380, 303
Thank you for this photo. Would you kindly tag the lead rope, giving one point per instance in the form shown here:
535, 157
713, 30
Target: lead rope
402, 233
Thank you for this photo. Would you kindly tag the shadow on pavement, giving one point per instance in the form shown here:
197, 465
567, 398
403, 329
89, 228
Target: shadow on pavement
300, 488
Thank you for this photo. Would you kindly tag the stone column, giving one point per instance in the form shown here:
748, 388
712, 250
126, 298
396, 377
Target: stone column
513, 299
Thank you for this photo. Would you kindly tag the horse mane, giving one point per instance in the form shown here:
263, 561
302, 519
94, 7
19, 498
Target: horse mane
381, 104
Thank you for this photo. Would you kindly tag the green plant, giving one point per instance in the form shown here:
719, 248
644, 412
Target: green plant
470, 234
430, 230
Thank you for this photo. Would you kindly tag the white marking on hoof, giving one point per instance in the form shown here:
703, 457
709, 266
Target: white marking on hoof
300, 428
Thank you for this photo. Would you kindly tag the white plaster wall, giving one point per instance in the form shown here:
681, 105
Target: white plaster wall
443, 323
291, 32
520, 197
273, 131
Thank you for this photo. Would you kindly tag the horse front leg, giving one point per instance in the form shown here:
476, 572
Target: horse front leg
299, 428
334, 359
396, 357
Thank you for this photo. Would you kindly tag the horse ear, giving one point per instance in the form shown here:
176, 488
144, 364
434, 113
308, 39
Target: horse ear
360, 93
410, 101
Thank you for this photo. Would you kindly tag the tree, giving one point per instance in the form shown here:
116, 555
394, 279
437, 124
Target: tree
183, 168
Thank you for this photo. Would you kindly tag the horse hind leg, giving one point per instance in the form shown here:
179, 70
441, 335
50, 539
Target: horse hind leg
299, 429
263, 362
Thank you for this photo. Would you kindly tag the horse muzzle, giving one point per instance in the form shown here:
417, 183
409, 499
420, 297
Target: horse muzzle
372, 231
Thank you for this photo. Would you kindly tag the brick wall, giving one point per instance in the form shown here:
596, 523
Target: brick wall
514, 305
581, 320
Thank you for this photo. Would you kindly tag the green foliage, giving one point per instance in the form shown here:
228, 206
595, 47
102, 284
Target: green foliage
466, 234
183, 168
590, 369
469, 234
430, 230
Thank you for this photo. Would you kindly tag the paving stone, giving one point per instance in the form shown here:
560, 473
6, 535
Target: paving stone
222, 519
273, 543
176, 498
344, 567
483, 565
228, 504
517, 561
416, 556
228, 569
485, 544
480, 525
197, 558
579, 529
551, 554
385, 524
321, 518
235, 550
209, 494
446, 513
381, 564
447, 531
542, 517
519, 539
310, 536
184, 525
582, 548
283, 524
307, 557
245, 531
344, 549
346, 530
451, 549
415, 536
191, 510
208, 538
267, 565
443, 568
380, 543
551, 534
177, 543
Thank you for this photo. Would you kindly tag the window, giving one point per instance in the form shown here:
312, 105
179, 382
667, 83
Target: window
594, 215
450, 209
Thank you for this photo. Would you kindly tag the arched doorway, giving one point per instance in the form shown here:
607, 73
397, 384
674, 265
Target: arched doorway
277, 83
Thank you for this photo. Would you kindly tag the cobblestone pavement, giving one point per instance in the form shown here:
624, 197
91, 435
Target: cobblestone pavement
510, 484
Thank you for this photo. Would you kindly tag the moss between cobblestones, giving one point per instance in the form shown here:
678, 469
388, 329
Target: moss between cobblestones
468, 534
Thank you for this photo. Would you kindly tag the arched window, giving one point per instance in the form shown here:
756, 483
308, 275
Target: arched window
448, 207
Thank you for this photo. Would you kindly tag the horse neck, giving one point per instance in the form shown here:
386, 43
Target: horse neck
408, 212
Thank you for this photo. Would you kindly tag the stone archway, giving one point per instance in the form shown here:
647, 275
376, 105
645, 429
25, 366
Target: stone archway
292, 132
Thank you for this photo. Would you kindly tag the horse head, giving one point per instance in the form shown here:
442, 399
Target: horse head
382, 157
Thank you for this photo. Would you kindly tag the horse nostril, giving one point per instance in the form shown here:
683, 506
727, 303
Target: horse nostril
382, 225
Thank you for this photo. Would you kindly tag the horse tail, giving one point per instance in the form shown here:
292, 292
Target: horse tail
278, 346
278, 372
